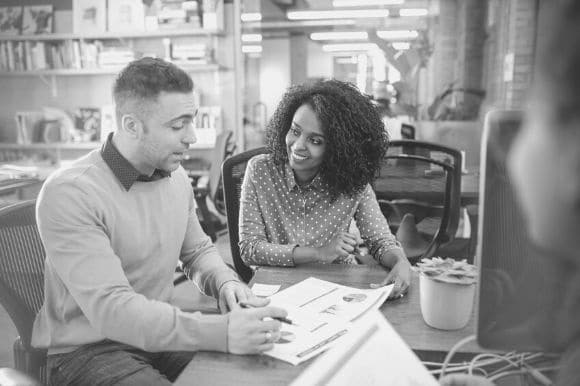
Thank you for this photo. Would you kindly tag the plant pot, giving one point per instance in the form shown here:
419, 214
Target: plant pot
446, 306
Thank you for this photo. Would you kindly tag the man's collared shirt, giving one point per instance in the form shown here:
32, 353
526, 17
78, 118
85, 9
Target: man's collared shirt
276, 214
122, 168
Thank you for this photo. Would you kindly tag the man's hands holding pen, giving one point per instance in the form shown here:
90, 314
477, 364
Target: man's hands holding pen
251, 330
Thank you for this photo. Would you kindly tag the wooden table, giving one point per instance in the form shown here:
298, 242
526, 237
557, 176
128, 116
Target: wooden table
211, 368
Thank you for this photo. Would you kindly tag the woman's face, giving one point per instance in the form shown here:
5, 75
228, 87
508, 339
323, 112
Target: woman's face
305, 144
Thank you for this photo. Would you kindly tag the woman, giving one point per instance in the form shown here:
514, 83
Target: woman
326, 143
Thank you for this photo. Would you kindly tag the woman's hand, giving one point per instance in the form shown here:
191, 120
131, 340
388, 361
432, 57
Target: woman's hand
400, 275
341, 245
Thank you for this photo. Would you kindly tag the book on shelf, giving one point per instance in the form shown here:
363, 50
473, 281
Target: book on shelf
126, 15
177, 14
89, 16
37, 19
213, 14
28, 126
10, 20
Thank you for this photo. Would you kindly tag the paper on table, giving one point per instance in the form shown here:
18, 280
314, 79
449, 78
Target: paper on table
321, 312
265, 290
371, 354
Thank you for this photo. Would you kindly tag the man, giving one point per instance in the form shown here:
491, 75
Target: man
114, 225
545, 166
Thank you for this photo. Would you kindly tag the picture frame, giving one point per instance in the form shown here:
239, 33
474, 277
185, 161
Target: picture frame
126, 15
10, 20
89, 16
37, 19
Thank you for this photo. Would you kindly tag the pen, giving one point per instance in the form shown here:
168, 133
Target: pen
278, 318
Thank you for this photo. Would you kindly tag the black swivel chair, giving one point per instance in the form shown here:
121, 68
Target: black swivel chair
22, 281
233, 171
418, 190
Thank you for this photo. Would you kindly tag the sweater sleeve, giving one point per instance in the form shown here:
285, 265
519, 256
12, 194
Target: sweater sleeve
255, 248
78, 248
201, 260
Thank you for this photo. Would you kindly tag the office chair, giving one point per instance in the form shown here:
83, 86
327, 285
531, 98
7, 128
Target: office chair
418, 189
233, 171
209, 186
22, 282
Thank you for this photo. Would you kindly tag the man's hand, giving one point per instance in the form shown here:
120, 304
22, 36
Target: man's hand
252, 331
233, 292
341, 245
464, 380
400, 275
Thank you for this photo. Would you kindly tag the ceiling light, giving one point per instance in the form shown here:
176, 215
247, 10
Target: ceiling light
345, 35
251, 16
363, 3
401, 45
413, 12
398, 34
337, 14
349, 47
251, 38
251, 49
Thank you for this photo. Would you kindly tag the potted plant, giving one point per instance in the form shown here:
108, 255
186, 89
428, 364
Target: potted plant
447, 290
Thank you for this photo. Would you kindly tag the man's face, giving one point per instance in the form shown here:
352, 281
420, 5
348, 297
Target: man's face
305, 143
168, 131
543, 165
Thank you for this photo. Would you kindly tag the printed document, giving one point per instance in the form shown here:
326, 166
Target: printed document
321, 312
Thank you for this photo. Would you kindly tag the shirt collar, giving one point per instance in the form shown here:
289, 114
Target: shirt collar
292, 184
122, 168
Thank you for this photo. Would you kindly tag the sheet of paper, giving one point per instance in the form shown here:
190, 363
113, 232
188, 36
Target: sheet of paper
265, 290
322, 313
371, 354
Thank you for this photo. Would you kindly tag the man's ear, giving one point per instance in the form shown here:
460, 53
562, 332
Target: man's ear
131, 125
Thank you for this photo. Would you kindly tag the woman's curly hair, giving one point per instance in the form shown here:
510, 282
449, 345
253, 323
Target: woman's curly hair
355, 135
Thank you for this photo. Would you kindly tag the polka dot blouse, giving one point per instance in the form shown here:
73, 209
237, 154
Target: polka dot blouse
276, 215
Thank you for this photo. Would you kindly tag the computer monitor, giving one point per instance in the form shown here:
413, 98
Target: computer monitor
520, 289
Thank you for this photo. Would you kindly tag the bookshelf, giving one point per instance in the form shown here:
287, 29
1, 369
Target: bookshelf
71, 85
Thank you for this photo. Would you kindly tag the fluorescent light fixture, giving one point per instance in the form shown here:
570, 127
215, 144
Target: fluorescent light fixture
345, 35
337, 14
251, 49
364, 3
251, 16
401, 46
349, 47
413, 12
251, 38
398, 34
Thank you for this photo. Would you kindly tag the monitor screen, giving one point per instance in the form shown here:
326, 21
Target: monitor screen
519, 287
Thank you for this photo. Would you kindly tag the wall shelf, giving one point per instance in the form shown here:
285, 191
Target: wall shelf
116, 35
74, 146
105, 71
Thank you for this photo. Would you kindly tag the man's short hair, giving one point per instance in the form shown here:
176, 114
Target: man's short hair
143, 80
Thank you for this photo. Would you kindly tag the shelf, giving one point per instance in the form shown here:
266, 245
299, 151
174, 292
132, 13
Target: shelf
106, 71
74, 146
116, 35
50, 146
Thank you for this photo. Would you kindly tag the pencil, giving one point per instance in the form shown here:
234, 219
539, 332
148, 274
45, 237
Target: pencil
278, 318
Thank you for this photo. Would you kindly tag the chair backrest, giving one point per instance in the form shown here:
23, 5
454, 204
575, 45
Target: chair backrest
21, 266
222, 150
423, 179
233, 171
